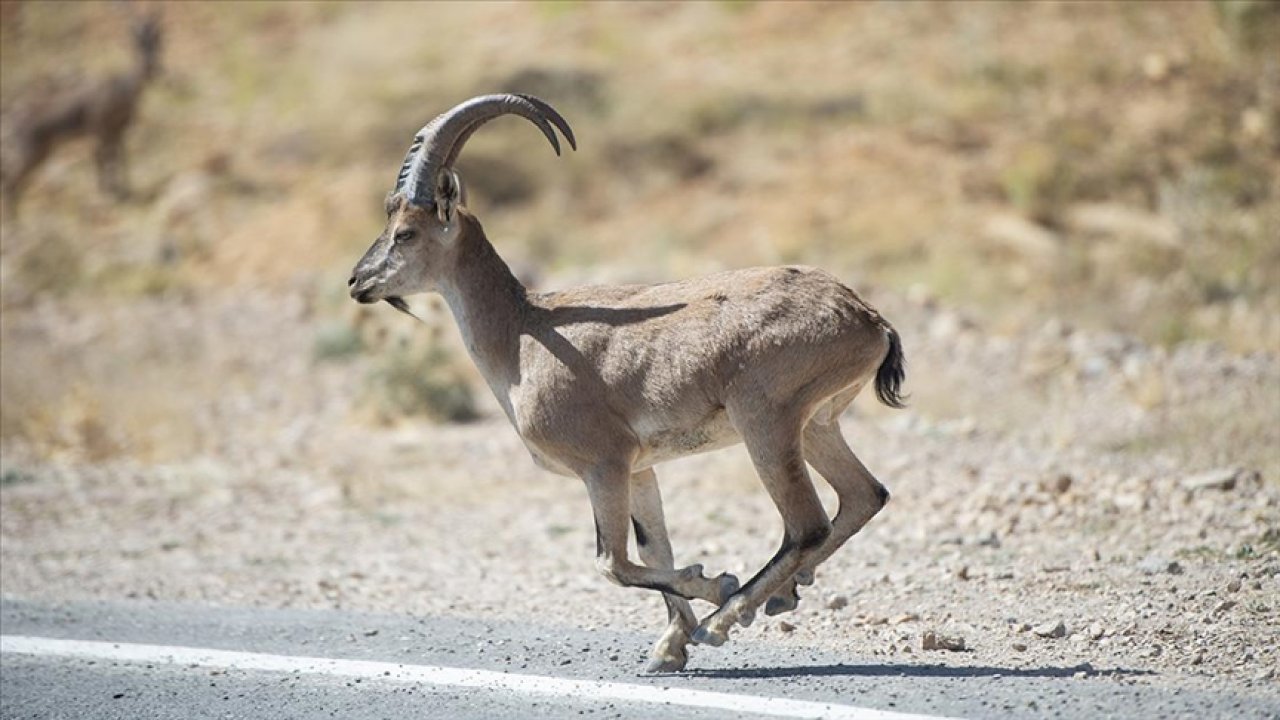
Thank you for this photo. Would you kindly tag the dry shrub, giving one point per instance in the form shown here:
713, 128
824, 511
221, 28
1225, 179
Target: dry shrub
419, 380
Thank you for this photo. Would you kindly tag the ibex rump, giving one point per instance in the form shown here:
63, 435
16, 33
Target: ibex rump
605, 382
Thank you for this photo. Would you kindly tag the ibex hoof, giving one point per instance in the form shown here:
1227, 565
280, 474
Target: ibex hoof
728, 586
707, 636
779, 604
667, 664
805, 577
747, 617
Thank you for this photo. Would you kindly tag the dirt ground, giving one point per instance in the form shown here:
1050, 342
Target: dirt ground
1069, 211
1039, 504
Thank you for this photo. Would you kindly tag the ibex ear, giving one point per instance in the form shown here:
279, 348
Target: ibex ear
449, 195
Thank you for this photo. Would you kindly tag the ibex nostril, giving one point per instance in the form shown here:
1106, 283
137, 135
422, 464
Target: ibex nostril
351, 281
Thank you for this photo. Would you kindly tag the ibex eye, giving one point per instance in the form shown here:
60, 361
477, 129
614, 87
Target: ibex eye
404, 235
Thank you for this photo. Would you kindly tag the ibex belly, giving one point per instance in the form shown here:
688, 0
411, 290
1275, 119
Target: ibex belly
662, 443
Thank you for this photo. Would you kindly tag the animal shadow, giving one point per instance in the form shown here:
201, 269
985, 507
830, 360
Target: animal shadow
914, 671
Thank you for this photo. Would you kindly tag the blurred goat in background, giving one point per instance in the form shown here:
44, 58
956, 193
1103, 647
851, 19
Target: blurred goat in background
103, 109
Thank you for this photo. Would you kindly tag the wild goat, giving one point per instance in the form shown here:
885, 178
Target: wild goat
103, 110
606, 382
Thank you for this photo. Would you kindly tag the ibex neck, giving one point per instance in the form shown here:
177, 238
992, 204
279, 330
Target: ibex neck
490, 306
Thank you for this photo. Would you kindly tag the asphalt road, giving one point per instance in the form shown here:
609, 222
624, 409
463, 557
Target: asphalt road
734, 678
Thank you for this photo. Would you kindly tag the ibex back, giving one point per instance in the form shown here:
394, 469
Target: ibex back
605, 382
103, 110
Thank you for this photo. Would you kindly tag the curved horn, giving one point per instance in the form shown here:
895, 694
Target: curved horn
439, 142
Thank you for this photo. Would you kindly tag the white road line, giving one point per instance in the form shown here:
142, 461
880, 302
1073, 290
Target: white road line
435, 675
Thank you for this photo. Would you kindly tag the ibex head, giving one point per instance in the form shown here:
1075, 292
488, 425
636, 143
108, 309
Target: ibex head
423, 220
148, 39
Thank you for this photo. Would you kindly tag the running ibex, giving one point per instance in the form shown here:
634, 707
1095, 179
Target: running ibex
102, 110
606, 382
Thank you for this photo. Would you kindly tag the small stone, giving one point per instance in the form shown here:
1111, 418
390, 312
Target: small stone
1061, 484
936, 641
904, 618
963, 572
837, 602
1020, 647
1096, 631
1234, 585
371, 633
786, 627
1224, 606
1223, 479
1050, 630
1155, 564
1197, 658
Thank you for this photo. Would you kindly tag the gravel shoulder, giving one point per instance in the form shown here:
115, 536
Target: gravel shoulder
1032, 516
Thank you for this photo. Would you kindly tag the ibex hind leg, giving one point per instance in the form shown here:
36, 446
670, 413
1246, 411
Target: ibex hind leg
670, 653
861, 497
775, 449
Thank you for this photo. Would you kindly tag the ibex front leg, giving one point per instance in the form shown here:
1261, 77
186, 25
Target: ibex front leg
669, 655
109, 157
610, 492
774, 446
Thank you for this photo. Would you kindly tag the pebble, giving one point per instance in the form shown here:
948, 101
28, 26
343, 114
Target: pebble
1234, 586
1222, 479
904, 618
1155, 564
837, 602
936, 641
786, 627
1096, 631
1050, 630
1020, 647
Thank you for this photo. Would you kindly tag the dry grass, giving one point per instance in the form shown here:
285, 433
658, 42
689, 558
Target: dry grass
877, 140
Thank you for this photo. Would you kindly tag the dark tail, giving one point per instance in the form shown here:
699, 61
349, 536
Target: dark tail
891, 373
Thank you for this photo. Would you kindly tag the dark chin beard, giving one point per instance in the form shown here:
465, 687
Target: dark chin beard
399, 304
